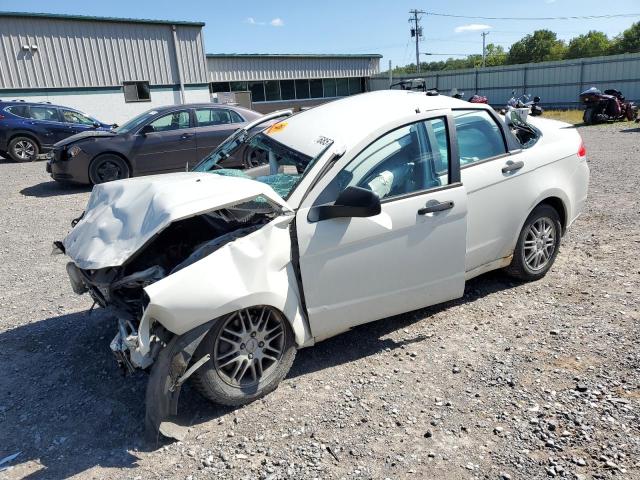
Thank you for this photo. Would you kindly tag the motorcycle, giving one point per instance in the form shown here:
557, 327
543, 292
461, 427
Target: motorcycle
608, 106
479, 99
524, 101
473, 99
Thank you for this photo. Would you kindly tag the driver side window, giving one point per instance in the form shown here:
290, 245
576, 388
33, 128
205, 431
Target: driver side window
172, 121
406, 160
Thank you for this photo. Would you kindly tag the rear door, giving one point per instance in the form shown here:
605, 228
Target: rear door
169, 146
46, 121
495, 179
213, 126
355, 270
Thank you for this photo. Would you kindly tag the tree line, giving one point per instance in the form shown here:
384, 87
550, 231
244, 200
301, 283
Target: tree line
540, 46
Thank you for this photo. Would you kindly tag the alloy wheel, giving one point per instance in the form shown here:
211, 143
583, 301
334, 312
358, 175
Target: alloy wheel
249, 346
24, 149
108, 171
539, 243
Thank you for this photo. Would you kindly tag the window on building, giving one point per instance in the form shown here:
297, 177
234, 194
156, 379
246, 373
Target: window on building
216, 87
171, 121
342, 87
44, 113
257, 91
302, 89
355, 85
70, 116
272, 90
315, 88
329, 86
238, 86
136, 92
288, 89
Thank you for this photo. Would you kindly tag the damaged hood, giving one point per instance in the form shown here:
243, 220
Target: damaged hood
122, 216
82, 135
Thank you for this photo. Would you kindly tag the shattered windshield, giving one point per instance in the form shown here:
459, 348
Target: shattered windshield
278, 165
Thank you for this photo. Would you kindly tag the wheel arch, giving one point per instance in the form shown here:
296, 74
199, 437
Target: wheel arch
559, 206
24, 133
111, 152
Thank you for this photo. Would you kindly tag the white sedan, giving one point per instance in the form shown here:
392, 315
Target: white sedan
364, 207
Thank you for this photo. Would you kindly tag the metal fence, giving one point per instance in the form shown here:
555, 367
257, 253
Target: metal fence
558, 84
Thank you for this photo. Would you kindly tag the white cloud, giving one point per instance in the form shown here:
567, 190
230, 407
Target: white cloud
252, 21
277, 22
472, 27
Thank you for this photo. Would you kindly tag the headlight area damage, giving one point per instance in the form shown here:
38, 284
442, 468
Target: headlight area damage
170, 255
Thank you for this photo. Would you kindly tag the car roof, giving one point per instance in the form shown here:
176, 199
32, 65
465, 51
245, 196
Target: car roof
349, 120
36, 104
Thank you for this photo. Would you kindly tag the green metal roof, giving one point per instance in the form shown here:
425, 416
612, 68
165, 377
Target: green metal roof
87, 18
295, 55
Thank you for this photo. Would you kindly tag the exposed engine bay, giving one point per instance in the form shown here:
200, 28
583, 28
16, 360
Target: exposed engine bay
182, 243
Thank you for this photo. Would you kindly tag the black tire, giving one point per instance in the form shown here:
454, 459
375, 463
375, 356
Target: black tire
213, 382
107, 168
544, 248
588, 116
23, 149
254, 158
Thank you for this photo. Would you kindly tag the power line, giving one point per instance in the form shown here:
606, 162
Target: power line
577, 17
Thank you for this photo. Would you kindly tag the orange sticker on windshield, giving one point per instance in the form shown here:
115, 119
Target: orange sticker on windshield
278, 127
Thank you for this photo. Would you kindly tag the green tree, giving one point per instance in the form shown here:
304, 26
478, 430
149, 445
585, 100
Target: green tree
541, 46
495, 55
628, 41
592, 44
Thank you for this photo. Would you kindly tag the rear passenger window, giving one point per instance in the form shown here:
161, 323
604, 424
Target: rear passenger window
216, 116
18, 110
44, 113
479, 136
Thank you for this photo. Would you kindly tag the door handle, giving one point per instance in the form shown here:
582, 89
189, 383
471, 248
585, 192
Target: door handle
436, 207
184, 136
512, 166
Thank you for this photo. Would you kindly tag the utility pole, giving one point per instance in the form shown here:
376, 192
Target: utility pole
484, 48
416, 31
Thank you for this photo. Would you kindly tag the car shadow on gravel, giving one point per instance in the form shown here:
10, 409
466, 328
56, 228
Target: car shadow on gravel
630, 130
53, 189
65, 405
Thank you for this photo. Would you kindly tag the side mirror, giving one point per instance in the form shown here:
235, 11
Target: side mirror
96, 125
536, 99
352, 202
114, 125
146, 129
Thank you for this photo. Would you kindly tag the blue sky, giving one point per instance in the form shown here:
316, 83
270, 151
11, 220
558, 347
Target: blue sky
352, 26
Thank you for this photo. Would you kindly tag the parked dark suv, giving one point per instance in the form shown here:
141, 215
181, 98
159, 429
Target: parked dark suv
28, 129
161, 140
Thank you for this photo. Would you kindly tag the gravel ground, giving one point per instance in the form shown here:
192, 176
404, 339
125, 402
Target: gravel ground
533, 380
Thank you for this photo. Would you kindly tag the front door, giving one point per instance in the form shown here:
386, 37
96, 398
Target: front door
46, 119
169, 145
355, 270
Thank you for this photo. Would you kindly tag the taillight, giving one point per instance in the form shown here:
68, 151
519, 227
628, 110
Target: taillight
582, 151
1, 117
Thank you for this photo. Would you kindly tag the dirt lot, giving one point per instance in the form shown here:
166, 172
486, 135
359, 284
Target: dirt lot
514, 381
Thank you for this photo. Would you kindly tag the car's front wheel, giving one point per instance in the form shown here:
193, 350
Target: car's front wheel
23, 149
537, 245
106, 168
251, 352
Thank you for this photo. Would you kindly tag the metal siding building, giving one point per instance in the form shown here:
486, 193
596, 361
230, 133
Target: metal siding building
83, 62
557, 83
291, 80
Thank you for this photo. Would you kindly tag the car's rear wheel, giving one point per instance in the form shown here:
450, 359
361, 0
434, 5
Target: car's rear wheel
254, 157
23, 149
537, 245
107, 168
251, 352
